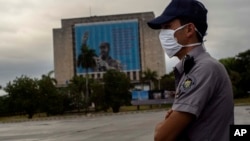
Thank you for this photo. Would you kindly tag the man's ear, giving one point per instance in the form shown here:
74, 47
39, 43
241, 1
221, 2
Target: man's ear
190, 30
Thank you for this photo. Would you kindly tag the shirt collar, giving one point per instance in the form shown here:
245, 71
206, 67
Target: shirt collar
195, 52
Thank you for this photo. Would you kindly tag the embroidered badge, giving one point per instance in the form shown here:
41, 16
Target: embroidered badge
187, 83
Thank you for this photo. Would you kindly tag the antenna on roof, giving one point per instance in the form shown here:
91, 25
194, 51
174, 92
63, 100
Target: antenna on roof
90, 14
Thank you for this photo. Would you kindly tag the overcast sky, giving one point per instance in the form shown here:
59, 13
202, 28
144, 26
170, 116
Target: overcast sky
26, 46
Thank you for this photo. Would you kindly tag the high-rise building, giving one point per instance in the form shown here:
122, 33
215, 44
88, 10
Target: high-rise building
122, 42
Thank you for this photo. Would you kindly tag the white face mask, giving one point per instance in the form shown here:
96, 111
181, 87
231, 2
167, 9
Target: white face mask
170, 44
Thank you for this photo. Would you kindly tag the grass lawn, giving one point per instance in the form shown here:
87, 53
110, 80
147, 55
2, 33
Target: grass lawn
241, 101
144, 107
122, 109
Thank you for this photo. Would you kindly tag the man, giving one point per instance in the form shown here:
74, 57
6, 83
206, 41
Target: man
203, 108
105, 62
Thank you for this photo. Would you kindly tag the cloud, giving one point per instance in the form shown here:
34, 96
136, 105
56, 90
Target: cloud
227, 33
26, 45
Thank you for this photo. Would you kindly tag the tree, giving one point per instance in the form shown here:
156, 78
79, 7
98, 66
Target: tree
238, 69
243, 68
76, 88
86, 60
150, 76
51, 100
229, 63
116, 86
168, 82
4, 105
98, 96
24, 95
67, 101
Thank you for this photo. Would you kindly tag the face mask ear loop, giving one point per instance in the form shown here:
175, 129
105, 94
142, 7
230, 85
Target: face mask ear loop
205, 39
201, 35
179, 28
203, 44
198, 32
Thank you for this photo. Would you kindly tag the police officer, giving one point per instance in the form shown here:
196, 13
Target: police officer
203, 108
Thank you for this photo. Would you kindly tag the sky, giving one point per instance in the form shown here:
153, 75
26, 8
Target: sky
26, 45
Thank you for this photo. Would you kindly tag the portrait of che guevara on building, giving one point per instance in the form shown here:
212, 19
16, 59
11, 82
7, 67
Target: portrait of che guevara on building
116, 45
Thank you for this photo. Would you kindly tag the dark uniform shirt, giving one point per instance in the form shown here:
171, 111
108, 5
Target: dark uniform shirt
203, 88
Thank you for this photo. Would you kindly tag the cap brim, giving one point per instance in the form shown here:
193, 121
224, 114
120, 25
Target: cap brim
157, 22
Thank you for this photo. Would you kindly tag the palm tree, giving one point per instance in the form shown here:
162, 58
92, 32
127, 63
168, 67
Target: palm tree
49, 78
48, 94
150, 76
76, 87
168, 81
86, 60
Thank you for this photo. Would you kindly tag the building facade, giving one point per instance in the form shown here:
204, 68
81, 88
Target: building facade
122, 42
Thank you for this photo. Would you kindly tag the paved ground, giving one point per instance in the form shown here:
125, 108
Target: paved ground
120, 127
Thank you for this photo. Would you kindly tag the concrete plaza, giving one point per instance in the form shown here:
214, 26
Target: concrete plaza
135, 126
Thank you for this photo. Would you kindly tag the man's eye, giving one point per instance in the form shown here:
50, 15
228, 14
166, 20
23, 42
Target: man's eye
166, 26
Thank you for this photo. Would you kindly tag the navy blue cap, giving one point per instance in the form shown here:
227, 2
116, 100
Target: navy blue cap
192, 9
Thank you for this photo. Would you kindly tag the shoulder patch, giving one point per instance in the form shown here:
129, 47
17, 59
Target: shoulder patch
187, 83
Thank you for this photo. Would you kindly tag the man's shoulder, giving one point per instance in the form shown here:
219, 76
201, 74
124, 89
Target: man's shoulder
208, 67
208, 63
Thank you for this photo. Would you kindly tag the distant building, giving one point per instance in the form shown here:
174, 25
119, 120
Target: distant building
123, 42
